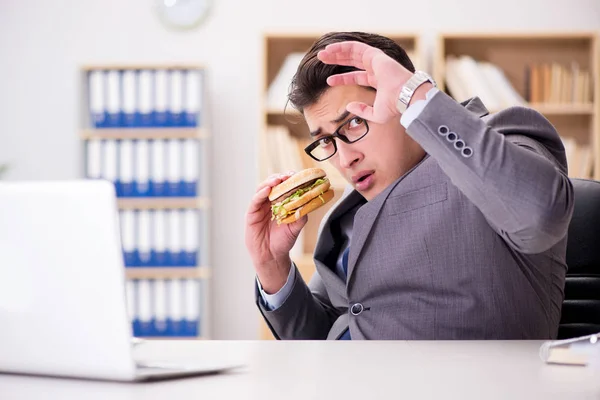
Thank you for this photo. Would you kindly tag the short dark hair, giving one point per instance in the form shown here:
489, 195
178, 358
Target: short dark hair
310, 80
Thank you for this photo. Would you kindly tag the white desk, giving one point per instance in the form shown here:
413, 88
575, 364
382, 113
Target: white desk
339, 370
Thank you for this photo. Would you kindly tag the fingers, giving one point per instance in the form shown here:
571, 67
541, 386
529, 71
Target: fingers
350, 53
274, 180
352, 78
362, 110
263, 190
258, 200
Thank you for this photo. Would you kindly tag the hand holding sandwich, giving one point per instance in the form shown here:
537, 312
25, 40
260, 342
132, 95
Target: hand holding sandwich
276, 215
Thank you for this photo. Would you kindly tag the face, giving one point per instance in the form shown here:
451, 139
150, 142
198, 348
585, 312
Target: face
374, 162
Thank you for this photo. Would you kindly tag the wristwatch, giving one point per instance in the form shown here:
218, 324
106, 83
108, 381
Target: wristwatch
418, 78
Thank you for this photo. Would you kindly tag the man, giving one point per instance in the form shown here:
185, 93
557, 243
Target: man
455, 227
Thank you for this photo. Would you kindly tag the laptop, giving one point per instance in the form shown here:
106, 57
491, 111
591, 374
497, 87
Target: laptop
63, 305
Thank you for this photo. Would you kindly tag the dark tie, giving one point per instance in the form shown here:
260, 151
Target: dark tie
346, 335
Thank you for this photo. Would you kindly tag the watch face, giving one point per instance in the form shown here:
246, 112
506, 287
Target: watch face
182, 14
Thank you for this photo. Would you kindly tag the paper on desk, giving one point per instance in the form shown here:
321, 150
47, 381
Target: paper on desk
583, 350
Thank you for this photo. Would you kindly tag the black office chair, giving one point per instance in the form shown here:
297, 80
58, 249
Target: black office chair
581, 307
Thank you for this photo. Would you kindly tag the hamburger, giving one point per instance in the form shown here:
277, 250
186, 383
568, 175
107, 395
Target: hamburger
300, 194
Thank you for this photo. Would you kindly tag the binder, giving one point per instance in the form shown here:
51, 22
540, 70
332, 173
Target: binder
128, 237
144, 238
145, 98
158, 185
193, 98
125, 179
144, 308
130, 293
159, 245
175, 254
142, 168
94, 159
176, 98
129, 78
175, 307
113, 99
190, 168
109, 162
161, 98
192, 308
174, 173
190, 237
159, 322
97, 99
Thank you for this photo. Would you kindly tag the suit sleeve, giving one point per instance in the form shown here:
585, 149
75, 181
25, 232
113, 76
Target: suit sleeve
305, 314
512, 166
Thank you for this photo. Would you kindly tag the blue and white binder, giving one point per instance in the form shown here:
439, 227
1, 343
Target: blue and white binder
97, 99
142, 168
190, 237
159, 322
113, 99
158, 168
175, 307
192, 307
144, 308
193, 98
125, 179
109, 162
144, 241
161, 98
159, 236
190, 168
128, 238
130, 292
174, 168
145, 98
175, 252
94, 159
176, 98
129, 78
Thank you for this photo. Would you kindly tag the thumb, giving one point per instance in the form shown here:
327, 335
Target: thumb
296, 226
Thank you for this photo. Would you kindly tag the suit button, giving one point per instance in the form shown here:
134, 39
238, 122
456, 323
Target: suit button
467, 152
443, 130
357, 309
451, 137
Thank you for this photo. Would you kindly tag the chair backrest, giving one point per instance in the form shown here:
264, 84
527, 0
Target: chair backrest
581, 306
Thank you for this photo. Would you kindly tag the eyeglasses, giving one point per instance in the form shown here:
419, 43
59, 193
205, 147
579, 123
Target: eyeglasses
349, 132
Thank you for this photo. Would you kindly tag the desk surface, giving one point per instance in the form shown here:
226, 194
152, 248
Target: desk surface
339, 370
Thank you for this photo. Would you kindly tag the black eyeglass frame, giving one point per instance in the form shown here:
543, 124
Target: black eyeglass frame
308, 149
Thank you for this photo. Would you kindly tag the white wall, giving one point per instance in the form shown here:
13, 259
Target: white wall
43, 43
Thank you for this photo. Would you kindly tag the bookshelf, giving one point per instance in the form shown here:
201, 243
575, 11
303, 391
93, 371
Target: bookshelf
144, 128
284, 134
554, 73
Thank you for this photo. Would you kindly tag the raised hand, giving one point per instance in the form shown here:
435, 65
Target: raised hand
269, 244
377, 70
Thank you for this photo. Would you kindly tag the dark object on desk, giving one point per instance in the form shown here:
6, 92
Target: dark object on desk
581, 307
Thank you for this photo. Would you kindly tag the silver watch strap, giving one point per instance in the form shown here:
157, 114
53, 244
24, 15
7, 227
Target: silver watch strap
409, 88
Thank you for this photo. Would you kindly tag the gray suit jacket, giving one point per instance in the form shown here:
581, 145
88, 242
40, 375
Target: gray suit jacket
457, 248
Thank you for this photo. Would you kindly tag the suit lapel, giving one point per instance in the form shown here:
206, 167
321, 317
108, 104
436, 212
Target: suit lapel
366, 217
476, 106
326, 244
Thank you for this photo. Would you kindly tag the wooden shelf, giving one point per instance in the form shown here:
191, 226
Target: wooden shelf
561, 108
144, 133
150, 203
564, 109
167, 272
539, 65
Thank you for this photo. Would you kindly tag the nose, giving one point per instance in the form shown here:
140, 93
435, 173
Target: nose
348, 153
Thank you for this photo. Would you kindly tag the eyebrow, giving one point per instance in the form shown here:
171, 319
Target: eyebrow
339, 119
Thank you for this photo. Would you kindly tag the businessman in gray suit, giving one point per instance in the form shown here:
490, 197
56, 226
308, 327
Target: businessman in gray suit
455, 223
